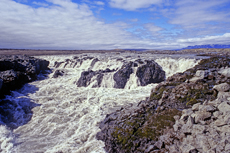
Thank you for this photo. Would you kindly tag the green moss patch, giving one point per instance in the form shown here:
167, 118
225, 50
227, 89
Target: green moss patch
148, 127
157, 123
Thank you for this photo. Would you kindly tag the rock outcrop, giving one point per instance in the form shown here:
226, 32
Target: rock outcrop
189, 112
202, 128
149, 73
58, 73
122, 75
86, 77
18, 70
194, 85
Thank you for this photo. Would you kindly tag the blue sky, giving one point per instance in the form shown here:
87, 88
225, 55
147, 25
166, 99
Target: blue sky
113, 24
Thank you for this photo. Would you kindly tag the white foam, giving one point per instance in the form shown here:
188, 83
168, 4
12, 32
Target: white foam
6, 140
68, 117
172, 66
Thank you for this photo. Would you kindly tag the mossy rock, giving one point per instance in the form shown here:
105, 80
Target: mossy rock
214, 62
197, 92
149, 127
157, 123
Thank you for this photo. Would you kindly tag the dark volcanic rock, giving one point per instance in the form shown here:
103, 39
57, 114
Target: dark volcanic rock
58, 73
95, 60
86, 77
57, 64
150, 73
18, 70
121, 76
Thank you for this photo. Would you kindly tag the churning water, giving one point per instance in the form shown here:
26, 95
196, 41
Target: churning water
65, 118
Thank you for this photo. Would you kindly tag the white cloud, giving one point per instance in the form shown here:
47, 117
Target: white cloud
68, 25
99, 3
40, 4
220, 39
63, 25
132, 5
134, 20
194, 14
152, 28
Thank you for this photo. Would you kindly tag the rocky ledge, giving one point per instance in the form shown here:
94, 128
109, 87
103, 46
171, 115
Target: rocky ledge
15, 71
146, 71
187, 113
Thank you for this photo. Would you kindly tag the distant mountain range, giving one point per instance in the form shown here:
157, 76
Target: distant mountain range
207, 46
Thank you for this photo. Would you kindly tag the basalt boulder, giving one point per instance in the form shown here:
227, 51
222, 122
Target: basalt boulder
149, 73
58, 73
86, 77
122, 75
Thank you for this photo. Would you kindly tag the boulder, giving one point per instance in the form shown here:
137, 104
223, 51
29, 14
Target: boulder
187, 148
22, 63
225, 72
224, 107
58, 73
201, 116
198, 129
200, 74
86, 77
149, 73
122, 75
223, 96
95, 60
223, 87
195, 107
8, 76
207, 108
227, 118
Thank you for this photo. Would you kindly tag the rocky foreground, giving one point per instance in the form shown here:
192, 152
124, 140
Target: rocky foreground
187, 113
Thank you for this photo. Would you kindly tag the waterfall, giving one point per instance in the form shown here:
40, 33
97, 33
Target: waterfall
65, 117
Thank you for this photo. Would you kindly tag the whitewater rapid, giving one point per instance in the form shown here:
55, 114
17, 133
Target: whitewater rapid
65, 118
